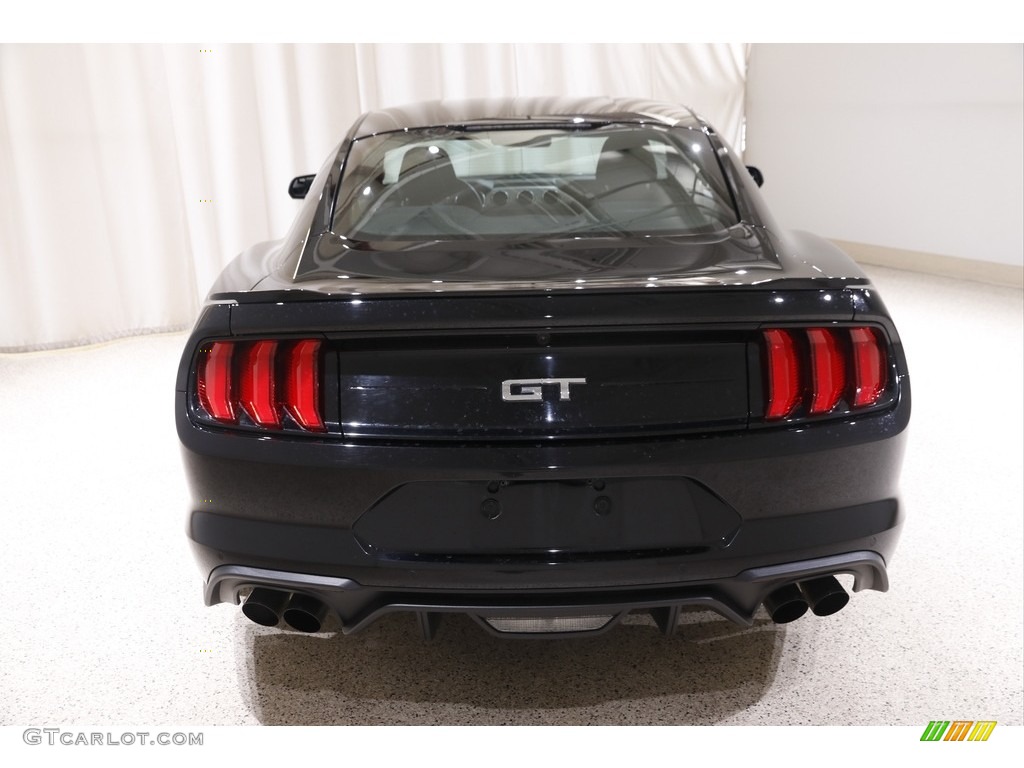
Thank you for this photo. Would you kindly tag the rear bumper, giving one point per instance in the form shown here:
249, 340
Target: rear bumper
736, 598
797, 503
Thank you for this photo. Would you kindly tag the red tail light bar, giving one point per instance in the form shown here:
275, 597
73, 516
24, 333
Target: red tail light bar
820, 369
808, 372
264, 380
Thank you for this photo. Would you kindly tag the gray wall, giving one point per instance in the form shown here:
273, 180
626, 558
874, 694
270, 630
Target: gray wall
917, 147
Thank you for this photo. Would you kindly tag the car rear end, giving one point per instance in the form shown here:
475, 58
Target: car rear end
543, 363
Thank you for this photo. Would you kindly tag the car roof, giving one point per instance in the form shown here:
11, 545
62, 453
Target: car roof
540, 110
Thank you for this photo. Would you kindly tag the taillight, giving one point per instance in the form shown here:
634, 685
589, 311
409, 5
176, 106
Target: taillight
828, 370
214, 381
257, 386
783, 374
302, 384
814, 371
869, 366
264, 380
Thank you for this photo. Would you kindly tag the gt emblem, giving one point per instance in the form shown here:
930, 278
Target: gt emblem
530, 390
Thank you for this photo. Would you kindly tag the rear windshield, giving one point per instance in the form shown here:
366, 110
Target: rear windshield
536, 183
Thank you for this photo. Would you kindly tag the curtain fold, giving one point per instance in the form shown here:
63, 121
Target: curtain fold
131, 174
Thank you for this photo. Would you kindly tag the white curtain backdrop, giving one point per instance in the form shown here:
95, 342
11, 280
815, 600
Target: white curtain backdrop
131, 174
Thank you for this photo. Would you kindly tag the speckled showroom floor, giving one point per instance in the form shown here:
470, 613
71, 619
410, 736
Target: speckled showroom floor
104, 622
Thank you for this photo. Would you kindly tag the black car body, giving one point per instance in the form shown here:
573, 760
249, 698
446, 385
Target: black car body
544, 362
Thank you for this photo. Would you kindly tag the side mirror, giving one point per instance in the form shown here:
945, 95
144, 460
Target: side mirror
300, 186
755, 174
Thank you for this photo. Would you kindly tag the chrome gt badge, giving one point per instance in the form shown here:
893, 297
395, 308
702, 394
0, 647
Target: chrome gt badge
531, 390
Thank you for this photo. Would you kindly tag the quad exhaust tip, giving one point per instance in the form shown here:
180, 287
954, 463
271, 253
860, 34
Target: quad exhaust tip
267, 607
264, 606
785, 604
305, 613
823, 595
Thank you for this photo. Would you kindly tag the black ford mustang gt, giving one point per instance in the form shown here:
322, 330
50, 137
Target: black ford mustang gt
542, 362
